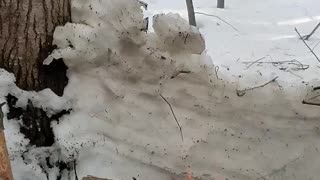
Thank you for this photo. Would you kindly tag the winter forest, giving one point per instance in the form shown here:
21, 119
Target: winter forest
159, 90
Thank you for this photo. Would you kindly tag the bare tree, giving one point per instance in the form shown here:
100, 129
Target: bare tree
220, 4
26, 33
192, 18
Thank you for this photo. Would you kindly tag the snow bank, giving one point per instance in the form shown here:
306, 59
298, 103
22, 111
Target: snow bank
118, 74
123, 83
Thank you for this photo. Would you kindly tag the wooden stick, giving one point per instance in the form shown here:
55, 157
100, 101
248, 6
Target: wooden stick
5, 167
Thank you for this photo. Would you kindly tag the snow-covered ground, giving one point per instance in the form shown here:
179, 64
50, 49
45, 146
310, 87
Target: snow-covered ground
264, 29
120, 127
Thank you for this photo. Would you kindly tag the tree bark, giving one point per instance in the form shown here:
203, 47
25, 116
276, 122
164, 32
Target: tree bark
26, 33
5, 167
192, 18
220, 4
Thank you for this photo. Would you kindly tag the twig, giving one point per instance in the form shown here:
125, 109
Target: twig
219, 19
312, 32
294, 62
255, 62
144, 5
241, 93
216, 70
316, 88
310, 103
180, 72
185, 39
316, 45
315, 97
75, 169
174, 115
307, 44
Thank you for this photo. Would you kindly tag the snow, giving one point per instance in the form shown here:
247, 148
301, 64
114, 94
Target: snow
120, 127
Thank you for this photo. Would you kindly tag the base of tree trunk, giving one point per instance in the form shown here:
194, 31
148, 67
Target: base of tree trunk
26, 36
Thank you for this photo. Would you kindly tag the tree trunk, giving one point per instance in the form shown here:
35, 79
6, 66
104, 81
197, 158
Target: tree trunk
192, 18
5, 167
26, 33
220, 4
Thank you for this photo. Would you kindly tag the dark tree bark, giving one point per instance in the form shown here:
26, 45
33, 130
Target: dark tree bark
220, 4
191, 15
26, 33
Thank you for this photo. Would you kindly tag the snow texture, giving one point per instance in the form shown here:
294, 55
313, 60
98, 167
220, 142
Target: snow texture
121, 127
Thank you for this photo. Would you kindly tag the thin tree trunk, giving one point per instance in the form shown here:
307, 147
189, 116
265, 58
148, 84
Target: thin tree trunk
220, 4
26, 33
192, 18
5, 167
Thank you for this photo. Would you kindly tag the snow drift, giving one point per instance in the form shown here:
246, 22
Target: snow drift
126, 87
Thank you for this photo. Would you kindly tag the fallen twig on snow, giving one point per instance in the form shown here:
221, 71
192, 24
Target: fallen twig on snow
312, 32
255, 62
299, 65
241, 93
316, 88
174, 115
219, 19
180, 72
308, 102
314, 54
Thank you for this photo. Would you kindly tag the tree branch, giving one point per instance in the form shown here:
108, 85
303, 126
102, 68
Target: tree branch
174, 115
307, 44
312, 32
219, 19
241, 93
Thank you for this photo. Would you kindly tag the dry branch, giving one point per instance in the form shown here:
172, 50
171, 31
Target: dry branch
308, 102
180, 72
174, 115
312, 32
299, 65
255, 62
219, 19
241, 93
314, 54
